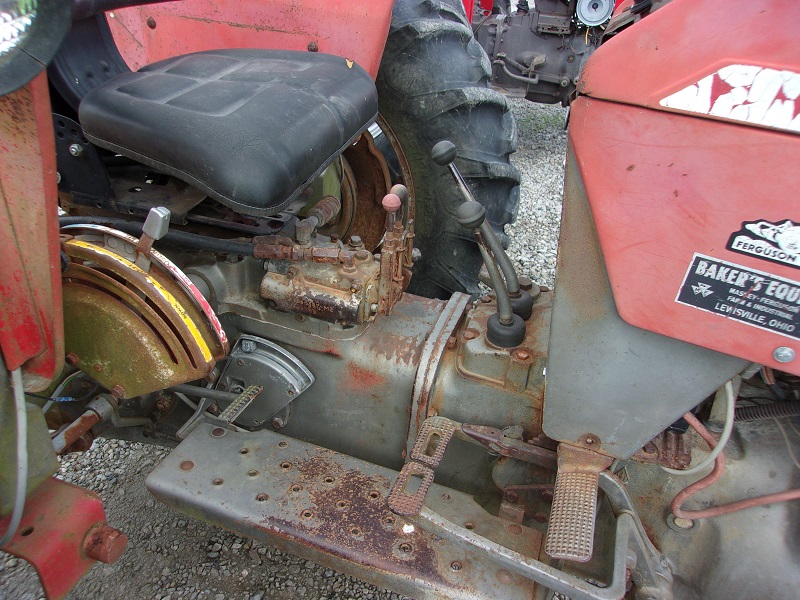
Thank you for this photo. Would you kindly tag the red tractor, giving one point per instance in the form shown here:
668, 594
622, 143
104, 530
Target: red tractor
251, 232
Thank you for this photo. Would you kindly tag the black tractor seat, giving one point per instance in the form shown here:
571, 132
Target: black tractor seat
250, 128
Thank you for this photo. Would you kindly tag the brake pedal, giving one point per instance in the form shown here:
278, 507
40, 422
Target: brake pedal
570, 533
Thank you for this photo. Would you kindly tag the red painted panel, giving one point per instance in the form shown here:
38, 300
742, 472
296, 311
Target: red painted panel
354, 30
664, 186
31, 322
51, 534
686, 41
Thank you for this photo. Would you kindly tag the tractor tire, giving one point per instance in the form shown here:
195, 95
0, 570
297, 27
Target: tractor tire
433, 86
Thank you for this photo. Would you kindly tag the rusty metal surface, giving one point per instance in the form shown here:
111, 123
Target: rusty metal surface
121, 317
73, 432
479, 383
52, 536
334, 292
403, 498
333, 509
669, 448
31, 323
371, 178
432, 441
445, 326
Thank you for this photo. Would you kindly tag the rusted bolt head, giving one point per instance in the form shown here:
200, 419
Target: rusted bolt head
98, 367
511, 496
486, 299
469, 334
187, 465
446, 497
71, 359
104, 543
514, 529
451, 342
262, 497
277, 423
355, 241
405, 548
151, 22
313, 46
455, 565
521, 354
118, 392
391, 203
650, 448
217, 432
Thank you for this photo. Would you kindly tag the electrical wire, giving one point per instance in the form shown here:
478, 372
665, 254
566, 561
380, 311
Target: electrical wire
730, 408
22, 457
716, 473
788, 444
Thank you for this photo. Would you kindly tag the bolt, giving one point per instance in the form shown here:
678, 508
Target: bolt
486, 299
451, 342
589, 441
187, 465
58, 177
248, 346
650, 448
278, 423
514, 529
455, 565
783, 354
571, 58
104, 543
75, 150
470, 335
217, 432
98, 367
521, 354
118, 392
313, 47
511, 496
151, 22
71, 359
240, 362
446, 497
525, 283
373, 308
683, 523
355, 242
416, 255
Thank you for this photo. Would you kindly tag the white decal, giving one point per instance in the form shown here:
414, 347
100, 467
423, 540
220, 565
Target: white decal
777, 242
757, 95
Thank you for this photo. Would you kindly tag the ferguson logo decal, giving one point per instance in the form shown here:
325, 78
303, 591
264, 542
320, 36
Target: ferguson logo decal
745, 93
776, 242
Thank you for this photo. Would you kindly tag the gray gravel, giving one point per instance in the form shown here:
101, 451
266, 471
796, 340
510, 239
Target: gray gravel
171, 556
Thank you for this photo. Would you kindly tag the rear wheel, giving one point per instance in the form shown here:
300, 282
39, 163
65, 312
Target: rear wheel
433, 85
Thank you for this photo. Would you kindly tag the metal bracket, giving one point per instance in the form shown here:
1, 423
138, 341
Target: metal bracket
228, 416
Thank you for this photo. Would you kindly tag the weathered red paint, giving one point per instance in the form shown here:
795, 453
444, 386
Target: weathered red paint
31, 323
684, 41
663, 186
60, 523
354, 30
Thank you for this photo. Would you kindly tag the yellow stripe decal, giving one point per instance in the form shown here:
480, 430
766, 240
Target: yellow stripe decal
198, 338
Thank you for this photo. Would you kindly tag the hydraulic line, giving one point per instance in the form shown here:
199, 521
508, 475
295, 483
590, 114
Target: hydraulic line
179, 238
716, 473
22, 457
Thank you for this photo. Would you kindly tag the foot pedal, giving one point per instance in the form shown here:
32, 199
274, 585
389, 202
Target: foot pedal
238, 406
404, 499
415, 478
570, 533
432, 440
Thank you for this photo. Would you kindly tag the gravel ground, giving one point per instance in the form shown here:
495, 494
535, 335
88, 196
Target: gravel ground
171, 556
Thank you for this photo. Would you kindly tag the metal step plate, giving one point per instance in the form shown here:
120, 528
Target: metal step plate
332, 508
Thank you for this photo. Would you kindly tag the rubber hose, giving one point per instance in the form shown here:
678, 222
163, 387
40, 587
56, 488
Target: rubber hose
178, 238
778, 410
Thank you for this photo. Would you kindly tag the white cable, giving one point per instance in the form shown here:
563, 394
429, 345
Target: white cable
22, 457
788, 444
730, 408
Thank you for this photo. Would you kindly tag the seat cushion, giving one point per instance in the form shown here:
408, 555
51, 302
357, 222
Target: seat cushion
251, 128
